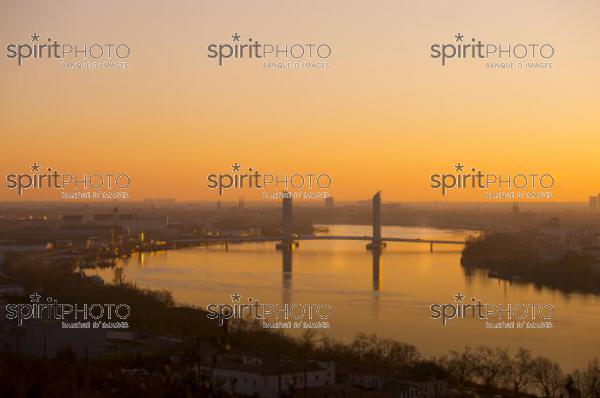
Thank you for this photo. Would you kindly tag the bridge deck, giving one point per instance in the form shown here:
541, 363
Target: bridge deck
318, 237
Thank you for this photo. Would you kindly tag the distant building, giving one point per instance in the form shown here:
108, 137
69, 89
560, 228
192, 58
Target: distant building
593, 203
131, 223
159, 202
241, 233
44, 338
404, 390
515, 208
374, 385
366, 381
106, 220
418, 389
7, 246
554, 222
70, 220
13, 246
329, 203
270, 378
10, 287
134, 342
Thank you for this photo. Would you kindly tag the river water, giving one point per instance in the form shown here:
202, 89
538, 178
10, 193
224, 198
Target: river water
390, 297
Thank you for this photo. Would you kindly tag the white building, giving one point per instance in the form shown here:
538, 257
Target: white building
366, 381
419, 389
268, 378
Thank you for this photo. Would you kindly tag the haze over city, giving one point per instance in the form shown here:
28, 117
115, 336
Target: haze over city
384, 115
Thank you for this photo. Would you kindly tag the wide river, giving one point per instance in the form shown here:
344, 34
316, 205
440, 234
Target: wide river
391, 299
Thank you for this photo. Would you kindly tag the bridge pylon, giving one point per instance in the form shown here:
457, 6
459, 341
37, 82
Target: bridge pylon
289, 246
287, 240
376, 242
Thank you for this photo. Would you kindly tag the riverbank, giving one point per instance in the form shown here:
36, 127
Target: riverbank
468, 372
520, 259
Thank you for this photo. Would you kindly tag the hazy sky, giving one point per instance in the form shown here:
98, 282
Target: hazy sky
384, 115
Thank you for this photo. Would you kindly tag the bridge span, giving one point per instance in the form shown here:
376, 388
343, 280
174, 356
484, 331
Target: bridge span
289, 241
315, 237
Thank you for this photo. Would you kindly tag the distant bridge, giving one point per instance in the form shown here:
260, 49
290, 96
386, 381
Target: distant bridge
241, 239
289, 240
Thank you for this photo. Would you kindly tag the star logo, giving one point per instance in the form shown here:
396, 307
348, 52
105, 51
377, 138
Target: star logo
236, 297
35, 298
459, 297
459, 37
458, 167
236, 37
235, 167
35, 167
35, 37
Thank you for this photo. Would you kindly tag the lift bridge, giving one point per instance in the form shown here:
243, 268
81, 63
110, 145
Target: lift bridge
288, 241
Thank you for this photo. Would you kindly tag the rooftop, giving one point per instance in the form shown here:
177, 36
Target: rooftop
264, 366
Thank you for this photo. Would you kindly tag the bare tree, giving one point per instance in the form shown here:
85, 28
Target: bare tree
588, 379
403, 354
461, 366
547, 375
308, 340
490, 364
384, 351
571, 387
518, 372
118, 276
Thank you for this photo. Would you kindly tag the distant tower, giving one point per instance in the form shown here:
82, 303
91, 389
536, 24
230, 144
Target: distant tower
515, 209
241, 202
219, 205
286, 217
329, 203
115, 215
593, 203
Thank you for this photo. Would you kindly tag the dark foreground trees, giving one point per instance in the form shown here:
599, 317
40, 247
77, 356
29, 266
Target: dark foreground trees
520, 373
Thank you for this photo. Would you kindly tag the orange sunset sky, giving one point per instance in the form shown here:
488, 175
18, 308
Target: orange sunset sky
383, 116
